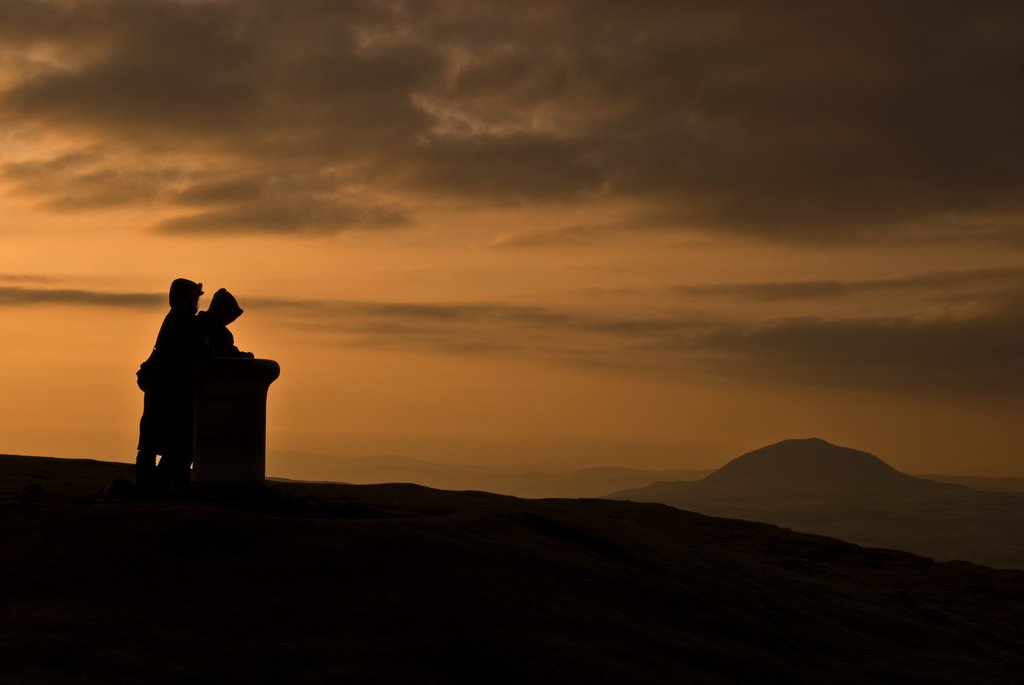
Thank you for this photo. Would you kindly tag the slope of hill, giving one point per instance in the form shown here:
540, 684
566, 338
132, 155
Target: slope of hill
399, 583
816, 487
985, 483
512, 480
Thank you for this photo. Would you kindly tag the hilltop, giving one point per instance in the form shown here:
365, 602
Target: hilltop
399, 583
808, 469
813, 466
814, 486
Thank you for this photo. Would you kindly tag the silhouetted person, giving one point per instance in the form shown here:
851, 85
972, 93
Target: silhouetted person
166, 378
213, 325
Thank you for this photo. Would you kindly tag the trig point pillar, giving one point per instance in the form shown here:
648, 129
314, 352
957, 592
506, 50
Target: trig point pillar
231, 419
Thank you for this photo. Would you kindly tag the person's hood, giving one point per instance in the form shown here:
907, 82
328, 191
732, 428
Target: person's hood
223, 305
183, 291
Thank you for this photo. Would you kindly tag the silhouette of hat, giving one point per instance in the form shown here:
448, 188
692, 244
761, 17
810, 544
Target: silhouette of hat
224, 303
184, 290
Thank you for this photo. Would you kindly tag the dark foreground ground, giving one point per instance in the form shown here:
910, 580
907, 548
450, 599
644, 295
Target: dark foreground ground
307, 583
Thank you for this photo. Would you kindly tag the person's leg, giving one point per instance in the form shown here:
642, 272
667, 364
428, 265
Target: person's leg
183, 470
173, 471
145, 470
166, 472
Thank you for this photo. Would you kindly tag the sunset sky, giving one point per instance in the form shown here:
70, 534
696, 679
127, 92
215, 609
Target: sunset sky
558, 233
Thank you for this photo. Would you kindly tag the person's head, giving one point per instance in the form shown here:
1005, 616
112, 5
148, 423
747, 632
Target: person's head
184, 295
224, 307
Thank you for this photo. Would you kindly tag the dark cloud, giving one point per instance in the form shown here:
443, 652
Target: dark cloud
833, 122
823, 122
25, 278
489, 329
252, 203
948, 285
275, 203
342, 314
977, 354
357, 315
17, 296
981, 355
290, 215
971, 353
540, 237
86, 181
222, 191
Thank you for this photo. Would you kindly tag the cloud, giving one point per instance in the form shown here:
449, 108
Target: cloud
222, 191
25, 278
833, 123
971, 352
251, 203
291, 215
18, 296
569, 235
966, 357
948, 284
86, 180
549, 321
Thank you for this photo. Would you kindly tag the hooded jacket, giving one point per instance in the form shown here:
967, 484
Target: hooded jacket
213, 325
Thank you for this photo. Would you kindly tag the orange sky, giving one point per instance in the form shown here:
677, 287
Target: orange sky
551, 233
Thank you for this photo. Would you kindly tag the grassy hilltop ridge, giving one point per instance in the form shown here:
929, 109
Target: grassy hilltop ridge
401, 583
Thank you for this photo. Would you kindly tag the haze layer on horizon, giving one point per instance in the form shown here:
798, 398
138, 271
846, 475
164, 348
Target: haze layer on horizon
653, 235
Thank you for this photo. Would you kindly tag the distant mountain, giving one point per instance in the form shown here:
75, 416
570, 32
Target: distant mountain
810, 469
316, 583
512, 480
817, 487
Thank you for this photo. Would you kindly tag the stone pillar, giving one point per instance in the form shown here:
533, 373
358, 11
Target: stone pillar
231, 419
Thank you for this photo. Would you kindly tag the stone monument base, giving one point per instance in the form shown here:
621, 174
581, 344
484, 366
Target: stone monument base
231, 419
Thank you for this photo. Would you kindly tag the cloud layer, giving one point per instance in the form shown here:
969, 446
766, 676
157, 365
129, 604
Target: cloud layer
24, 296
971, 347
825, 122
